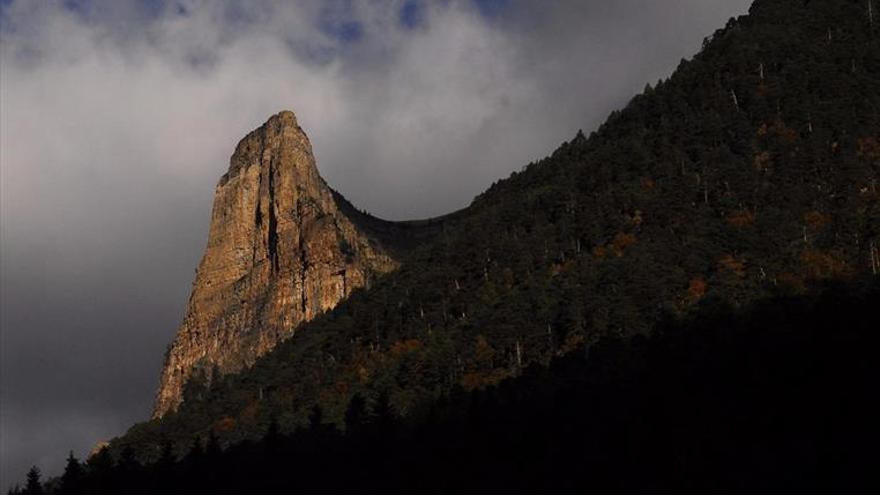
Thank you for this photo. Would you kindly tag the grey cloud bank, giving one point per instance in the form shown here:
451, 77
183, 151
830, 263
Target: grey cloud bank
116, 122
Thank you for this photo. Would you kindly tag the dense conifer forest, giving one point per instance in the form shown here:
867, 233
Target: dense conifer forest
649, 306
769, 397
752, 171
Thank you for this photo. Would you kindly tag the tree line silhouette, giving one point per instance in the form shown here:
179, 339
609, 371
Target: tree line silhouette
773, 397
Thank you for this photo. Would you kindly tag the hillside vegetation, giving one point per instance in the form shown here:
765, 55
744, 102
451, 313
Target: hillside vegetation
770, 397
751, 172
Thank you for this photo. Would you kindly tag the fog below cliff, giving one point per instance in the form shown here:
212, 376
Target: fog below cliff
118, 118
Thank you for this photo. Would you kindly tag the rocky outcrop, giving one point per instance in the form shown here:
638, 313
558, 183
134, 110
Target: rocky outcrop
280, 252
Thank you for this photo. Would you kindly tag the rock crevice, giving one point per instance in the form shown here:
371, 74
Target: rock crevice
281, 250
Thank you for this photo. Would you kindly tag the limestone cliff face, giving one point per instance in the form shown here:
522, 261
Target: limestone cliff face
280, 251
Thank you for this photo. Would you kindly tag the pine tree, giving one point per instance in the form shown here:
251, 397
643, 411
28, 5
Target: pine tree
128, 462
212, 448
273, 438
33, 486
165, 464
316, 418
383, 412
356, 414
100, 471
197, 451
72, 479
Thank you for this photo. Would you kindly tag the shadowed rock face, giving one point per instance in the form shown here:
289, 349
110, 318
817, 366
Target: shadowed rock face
281, 250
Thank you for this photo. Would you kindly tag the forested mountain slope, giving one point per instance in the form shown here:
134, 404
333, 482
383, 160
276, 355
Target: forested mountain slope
769, 397
752, 171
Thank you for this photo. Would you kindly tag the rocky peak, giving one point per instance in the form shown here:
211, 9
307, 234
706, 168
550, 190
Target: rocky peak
281, 131
280, 251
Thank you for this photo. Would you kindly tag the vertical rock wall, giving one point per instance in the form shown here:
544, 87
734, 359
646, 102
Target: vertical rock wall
280, 251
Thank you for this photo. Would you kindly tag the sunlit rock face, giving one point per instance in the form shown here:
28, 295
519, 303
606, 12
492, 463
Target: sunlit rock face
280, 251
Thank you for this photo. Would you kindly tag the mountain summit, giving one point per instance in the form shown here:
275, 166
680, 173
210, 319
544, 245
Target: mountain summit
749, 174
280, 251
684, 299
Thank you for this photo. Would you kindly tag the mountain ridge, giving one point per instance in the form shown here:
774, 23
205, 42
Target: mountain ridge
750, 172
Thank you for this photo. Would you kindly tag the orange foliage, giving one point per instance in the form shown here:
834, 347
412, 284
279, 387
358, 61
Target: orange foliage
763, 161
741, 218
249, 413
823, 264
869, 147
763, 130
816, 220
572, 341
637, 218
224, 424
697, 288
728, 262
341, 387
507, 278
363, 374
779, 131
621, 242
791, 281
478, 380
784, 134
484, 353
333, 393
402, 347
557, 268
471, 381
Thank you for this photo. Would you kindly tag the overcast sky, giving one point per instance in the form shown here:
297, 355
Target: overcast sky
117, 119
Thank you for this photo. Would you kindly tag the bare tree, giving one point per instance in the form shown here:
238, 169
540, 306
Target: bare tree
870, 13
875, 258
518, 354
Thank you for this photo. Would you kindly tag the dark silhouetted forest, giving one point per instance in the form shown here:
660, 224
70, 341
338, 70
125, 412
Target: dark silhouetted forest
636, 310
751, 172
726, 401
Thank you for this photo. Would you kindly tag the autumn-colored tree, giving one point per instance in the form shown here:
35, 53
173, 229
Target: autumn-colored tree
816, 220
224, 424
697, 288
730, 263
621, 242
484, 354
869, 147
763, 161
407, 346
824, 264
741, 218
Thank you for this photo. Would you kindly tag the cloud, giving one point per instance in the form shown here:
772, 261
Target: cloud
117, 119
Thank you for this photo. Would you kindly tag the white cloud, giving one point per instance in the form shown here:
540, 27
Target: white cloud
116, 123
